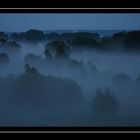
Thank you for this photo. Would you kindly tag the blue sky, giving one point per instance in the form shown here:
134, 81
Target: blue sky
24, 22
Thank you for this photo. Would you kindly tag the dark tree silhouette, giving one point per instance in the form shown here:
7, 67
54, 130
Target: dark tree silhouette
47, 54
53, 36
33, 89
85, 41
105, 103
3, 40
57, 46
3, 35
60, 51
105, 41
132, 41
119, 37
29, 69
35, 35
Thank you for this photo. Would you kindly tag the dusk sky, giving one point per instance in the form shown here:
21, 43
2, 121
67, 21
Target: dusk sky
24, 22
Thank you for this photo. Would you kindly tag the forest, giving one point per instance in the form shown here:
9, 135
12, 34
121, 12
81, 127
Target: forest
69, 79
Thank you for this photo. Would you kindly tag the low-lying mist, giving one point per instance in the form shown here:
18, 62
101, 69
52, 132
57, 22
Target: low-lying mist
57, 85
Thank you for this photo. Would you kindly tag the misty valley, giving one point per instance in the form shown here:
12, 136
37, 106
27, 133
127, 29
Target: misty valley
70, 78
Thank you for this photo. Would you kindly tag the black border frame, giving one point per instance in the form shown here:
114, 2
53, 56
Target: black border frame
69, 10
107, 129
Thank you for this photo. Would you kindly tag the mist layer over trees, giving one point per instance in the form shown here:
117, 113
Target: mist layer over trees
69, 79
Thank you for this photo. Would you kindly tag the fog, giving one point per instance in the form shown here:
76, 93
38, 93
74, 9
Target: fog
116, 62
39, 88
